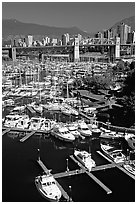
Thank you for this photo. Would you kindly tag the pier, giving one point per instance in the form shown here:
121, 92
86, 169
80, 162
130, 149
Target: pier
92, 176
118, 165
27, 136
69, 173
31, 109
6, 131
64, 193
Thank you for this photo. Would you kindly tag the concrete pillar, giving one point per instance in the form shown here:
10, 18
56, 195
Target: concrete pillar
76, 50
117, 48
14, 54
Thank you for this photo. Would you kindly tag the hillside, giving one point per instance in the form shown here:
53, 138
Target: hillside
12, 27
129, 21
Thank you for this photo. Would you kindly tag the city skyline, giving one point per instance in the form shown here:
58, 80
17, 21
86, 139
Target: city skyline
89, 16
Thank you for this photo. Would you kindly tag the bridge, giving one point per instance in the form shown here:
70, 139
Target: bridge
73, 52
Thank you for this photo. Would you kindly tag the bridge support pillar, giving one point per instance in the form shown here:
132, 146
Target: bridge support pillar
117, 48
14, 54
76, 50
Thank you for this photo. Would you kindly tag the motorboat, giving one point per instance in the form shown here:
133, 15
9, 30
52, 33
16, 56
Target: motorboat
130, 138
130, 167
35, 123
63, 133
95, 130
74, 130
115, 155
47, 186
11, 120
85, 159
23, 122
83, 129
46, 125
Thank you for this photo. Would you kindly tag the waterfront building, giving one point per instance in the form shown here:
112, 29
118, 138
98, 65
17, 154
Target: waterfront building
79, 37
30, 40
65, 38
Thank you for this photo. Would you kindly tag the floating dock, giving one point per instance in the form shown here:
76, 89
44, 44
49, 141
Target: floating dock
118, 165
27, 136
64, 193
92, 176
6, 131
69, 173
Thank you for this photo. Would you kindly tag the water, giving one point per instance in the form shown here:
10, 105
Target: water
19, 169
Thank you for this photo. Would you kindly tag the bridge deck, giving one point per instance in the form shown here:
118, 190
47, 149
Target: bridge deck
92, 176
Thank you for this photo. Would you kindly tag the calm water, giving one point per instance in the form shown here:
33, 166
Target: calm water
20, 169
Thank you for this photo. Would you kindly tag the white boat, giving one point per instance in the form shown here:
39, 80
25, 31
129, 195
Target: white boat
11, 120
63, 133
46, 125
83, 129
85, 159
35, 123
74, 130
115, 155
130, 167
47, 186
130, 138
23, 122
95, 130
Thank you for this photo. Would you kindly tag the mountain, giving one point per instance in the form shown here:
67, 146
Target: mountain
12, 27
129, 21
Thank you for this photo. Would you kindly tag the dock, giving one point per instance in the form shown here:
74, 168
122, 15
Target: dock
27, 136
69, 173
64, 193
118, 165
31, 109
6, 131
91, 175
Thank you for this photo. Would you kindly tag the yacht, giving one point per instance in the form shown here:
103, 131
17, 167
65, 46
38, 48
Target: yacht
23, 122
46, 125
35, 123
47, 186
83, 129
130, 167
63, 133
74, 130
115, 155
95, 130
130, 138
85, 159
11, 120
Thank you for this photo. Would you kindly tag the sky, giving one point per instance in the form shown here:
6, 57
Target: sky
88, 16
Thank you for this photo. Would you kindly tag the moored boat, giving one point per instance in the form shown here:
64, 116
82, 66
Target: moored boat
85, 159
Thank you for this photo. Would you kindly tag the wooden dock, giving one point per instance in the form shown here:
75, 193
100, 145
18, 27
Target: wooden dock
6, 131
92, 176
27, 136
118, 165
69, 173
31, 109
64, 193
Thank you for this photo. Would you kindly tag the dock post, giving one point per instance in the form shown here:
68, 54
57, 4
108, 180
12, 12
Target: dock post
67, 165
70, 197
38, 154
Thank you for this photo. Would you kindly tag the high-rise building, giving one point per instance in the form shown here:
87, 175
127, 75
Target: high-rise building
30, 40
65, 38
124, 30
79, 37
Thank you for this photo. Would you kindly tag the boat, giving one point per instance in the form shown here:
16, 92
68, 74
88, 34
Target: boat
85, 159
130, 138
35, 123
23, 122
83, 129
115, 155
11, 120
74, 130
47, 186
130, 167
62, 132
95, 130
46, 125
